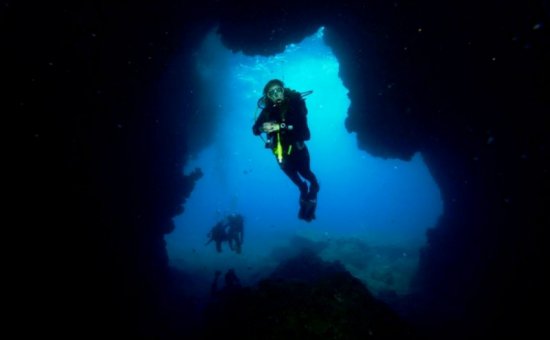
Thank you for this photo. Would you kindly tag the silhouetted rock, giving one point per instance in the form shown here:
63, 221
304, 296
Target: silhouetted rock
305, 298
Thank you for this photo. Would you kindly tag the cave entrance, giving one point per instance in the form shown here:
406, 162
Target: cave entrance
373, 213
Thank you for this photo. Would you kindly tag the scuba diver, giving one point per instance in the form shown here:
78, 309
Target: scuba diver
232, 283
235, 231
283, 119
218, 235
230, 230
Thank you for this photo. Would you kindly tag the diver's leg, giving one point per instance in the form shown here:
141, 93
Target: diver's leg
289, 169
308, 204
303, 167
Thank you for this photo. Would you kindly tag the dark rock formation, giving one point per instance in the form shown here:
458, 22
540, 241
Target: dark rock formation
305, 298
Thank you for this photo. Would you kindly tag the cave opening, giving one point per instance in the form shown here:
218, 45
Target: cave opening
372, 213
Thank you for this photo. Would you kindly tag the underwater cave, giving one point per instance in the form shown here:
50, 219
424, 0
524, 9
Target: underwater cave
428, 139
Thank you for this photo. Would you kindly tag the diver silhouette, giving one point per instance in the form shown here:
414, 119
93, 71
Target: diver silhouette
218, 235
230, 230
235, 232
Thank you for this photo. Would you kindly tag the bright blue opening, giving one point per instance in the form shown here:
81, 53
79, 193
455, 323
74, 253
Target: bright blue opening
387, 204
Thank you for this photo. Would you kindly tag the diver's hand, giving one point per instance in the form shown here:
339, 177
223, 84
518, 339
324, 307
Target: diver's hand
270, 127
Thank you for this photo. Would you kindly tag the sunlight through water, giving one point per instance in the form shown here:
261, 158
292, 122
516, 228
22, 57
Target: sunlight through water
384, 206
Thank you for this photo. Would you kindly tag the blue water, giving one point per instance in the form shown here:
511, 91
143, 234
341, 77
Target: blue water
383, 203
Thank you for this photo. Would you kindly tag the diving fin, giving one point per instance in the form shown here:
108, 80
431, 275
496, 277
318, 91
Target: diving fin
307, 210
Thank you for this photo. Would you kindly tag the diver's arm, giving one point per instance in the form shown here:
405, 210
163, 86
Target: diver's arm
267, 127
257, 127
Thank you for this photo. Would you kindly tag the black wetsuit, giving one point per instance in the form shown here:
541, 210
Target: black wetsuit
235, 232
291, 115
218, 235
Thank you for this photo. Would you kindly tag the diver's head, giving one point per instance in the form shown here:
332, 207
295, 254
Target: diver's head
275, 91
